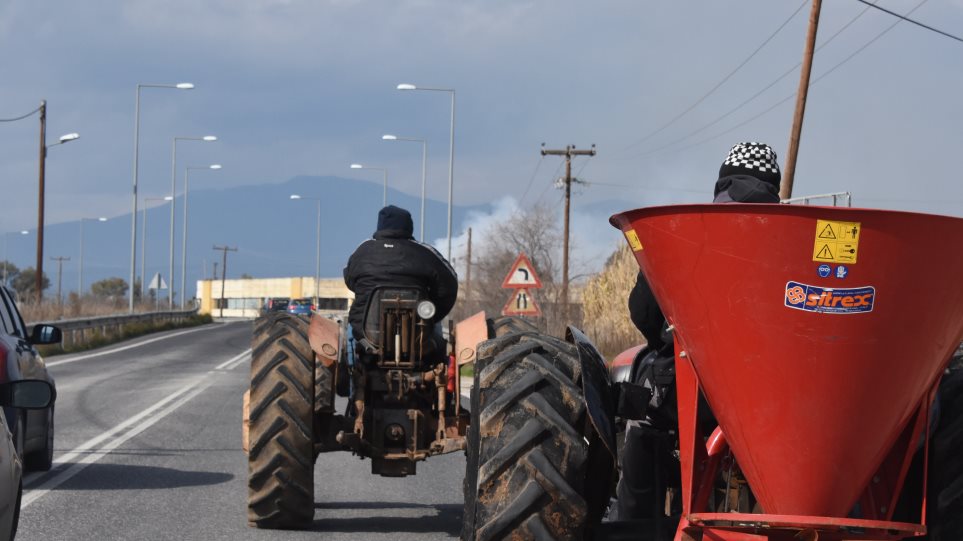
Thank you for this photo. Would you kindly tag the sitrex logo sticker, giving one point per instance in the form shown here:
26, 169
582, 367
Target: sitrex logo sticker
829, 300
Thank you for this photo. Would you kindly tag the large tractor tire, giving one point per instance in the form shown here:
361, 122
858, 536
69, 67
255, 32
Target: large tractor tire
945, 499
281, 456
500, 326
527, 454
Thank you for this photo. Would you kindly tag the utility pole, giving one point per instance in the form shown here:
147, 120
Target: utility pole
60, 267
40, 200
215, 271
568, 152
785, 189
468, 272
224, 249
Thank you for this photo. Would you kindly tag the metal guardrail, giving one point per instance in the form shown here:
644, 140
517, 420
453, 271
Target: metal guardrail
79, 331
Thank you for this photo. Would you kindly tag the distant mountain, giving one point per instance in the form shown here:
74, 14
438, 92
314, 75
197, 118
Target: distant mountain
275, 236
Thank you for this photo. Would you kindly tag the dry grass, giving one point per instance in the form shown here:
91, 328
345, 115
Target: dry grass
605, 304
50, 310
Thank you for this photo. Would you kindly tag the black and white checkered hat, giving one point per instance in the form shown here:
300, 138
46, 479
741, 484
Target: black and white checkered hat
754, 159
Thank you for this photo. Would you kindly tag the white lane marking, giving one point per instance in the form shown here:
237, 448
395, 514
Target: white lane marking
131, 346
185, 394
236, 359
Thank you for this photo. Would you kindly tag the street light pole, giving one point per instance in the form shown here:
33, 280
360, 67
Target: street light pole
187, 189
133, 213
424, 172
384, 171
451, 148
317, 264
170, 270
80, 279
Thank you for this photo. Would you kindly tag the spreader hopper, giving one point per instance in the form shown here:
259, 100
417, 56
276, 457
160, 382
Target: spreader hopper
817, 335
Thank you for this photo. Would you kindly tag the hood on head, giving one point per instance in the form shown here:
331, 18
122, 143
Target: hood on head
394, 222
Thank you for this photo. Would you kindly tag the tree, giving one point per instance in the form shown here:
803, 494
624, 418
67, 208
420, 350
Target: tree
109, 288
10, 269
25, 283
534, 232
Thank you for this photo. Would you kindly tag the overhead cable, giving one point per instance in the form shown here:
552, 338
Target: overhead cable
719, 84
19, 117
917, 23
754, 96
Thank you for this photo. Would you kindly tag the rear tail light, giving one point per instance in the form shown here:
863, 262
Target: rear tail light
292, 306
312, 307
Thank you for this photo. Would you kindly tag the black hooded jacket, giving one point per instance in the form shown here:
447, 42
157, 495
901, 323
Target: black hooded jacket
394, 257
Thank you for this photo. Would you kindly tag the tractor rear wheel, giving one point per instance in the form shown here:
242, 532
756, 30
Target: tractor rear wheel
527, 452
281, 456
945, 498
500, 326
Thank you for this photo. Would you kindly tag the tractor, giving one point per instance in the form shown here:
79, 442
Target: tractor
817, 388
401, 380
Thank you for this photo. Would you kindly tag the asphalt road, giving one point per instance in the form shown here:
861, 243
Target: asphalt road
148, 447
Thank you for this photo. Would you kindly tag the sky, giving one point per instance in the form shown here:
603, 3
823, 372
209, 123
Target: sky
306, 87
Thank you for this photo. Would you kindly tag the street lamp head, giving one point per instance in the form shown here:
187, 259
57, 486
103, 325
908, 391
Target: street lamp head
184, 86
69, 137
102, 219
210, 138
357, 166
166, 198
24, 232
215, 166
407, 86
389, 137
295, 196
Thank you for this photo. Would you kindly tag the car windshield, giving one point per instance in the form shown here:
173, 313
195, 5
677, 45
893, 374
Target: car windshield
301, 302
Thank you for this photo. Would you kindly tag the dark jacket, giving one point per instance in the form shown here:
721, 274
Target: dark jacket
744, 189
393, 257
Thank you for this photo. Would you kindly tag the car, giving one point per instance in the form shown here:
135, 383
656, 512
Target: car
19, 395
301, 306
275, 304
32, 429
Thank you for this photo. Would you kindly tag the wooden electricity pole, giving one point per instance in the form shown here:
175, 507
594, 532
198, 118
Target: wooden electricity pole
568, 152
60, 267
224, 249
785, 189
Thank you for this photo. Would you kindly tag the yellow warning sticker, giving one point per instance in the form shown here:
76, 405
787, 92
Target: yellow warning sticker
633, 239
836, 242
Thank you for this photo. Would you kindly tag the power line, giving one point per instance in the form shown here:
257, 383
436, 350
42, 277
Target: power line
754, 96
20, 117
532, 179
793, 95
719, 84
907, 19
551, 182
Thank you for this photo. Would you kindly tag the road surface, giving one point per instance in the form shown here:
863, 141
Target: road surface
148, 447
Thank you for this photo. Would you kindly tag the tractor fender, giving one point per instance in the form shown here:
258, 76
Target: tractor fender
325, 337
596, 389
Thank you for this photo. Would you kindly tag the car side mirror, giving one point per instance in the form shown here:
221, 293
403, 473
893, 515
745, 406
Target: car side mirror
45, 334
27, 394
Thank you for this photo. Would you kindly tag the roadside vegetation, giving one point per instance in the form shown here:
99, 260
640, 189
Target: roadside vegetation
97, 339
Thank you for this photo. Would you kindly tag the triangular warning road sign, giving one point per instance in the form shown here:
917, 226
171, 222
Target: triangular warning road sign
827, 232
522, 275
157, 282
521, 303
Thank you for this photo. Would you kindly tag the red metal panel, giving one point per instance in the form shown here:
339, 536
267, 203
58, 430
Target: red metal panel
810, 402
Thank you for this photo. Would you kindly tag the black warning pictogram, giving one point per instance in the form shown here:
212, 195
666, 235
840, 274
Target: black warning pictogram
827, 232
825, 253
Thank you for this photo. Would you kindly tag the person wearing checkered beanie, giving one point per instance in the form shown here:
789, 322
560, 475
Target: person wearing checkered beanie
750, 174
